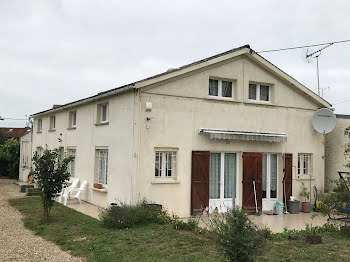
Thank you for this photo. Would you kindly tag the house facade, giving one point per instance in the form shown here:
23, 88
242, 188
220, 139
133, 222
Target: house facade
202, 135
336, 142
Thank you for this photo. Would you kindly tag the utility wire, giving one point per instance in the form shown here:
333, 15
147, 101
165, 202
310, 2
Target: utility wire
342, 102
305, 46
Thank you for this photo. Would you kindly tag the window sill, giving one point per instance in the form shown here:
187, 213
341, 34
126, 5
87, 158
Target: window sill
164, 181
103, 190
52, 130
71, 128
299, 177
39, 132
256, 102
102, 124
218, 98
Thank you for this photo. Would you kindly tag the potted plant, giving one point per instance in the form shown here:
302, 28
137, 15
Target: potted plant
304, 192
98, 186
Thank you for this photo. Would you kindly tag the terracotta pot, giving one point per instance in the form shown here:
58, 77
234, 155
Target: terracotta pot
305, 207
98, 186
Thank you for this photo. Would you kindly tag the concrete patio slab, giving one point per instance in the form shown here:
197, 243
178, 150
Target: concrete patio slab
85, 208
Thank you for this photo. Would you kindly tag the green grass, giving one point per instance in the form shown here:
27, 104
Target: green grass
85, 237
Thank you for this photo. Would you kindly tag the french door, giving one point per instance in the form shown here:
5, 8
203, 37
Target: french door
269, 181
222, 181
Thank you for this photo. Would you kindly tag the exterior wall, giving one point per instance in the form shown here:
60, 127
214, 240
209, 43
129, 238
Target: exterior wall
117, 136
181, 107
335, 146
25, 157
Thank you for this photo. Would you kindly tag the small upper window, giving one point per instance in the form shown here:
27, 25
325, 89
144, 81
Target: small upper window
72, 119
52, 123
259, 92
220, 88
39, 125
102, 113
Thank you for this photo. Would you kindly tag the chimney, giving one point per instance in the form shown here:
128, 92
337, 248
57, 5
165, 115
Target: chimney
55, 106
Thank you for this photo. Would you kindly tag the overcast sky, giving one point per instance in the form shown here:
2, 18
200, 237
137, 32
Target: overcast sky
54, 52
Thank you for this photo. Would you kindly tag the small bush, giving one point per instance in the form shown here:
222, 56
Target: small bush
236, 235
122, 215
345, 230
190, 224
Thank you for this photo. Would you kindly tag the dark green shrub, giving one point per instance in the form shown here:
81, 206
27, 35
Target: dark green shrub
9, 158
345, 230
236, 235
122, 215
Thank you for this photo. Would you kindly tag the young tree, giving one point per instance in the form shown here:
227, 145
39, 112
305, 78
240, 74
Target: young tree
50, 174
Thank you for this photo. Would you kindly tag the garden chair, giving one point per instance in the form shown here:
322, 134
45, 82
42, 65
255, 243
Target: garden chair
68, 189
77, 192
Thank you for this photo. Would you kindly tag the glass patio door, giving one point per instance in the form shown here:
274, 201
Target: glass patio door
269, 181
222, 181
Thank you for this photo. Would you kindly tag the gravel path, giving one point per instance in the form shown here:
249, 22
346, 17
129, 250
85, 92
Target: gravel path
18, 243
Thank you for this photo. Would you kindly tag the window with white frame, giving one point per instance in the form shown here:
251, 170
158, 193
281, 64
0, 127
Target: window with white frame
221, 88
304, 164
102, 113
72, 119
71, 166
102, 166
39, 151
165, 164
39, 127
52, 123
259, 92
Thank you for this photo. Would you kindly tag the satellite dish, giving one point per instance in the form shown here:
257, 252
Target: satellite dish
324, 121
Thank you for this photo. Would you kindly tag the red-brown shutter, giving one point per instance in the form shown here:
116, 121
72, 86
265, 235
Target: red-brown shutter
288, 167
200, 181
252, 171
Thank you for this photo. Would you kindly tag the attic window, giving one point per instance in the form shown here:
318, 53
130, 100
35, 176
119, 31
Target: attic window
221, 88
259, 92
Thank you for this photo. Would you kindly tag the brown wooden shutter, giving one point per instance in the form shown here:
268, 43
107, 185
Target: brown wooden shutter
252, 171
288, 181
200, 181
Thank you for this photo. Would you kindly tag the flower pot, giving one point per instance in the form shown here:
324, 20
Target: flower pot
305, 207
98, 186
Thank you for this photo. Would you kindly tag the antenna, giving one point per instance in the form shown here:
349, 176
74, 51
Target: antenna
316, 54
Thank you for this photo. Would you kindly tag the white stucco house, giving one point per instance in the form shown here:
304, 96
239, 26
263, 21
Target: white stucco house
194, 136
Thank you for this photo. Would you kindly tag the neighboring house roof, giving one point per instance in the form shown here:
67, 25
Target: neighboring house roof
174, 72
342, 116
14, 132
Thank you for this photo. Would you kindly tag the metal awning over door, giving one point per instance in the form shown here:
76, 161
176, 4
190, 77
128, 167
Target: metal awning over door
244, 135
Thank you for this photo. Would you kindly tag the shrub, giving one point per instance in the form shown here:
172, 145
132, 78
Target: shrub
236, 235
9, 158
190, 224
122, 215
332, 203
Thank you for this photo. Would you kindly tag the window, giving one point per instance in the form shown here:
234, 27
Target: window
72, 119
71, 166
220, 88
305, 164
39, 151
52, 123
259, 92
39, 125
102, 113
102, 166
165, 164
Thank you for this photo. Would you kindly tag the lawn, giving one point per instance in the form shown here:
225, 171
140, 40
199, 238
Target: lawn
85, 237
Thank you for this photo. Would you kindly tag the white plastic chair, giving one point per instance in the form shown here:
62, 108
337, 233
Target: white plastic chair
77, 194
68, 189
